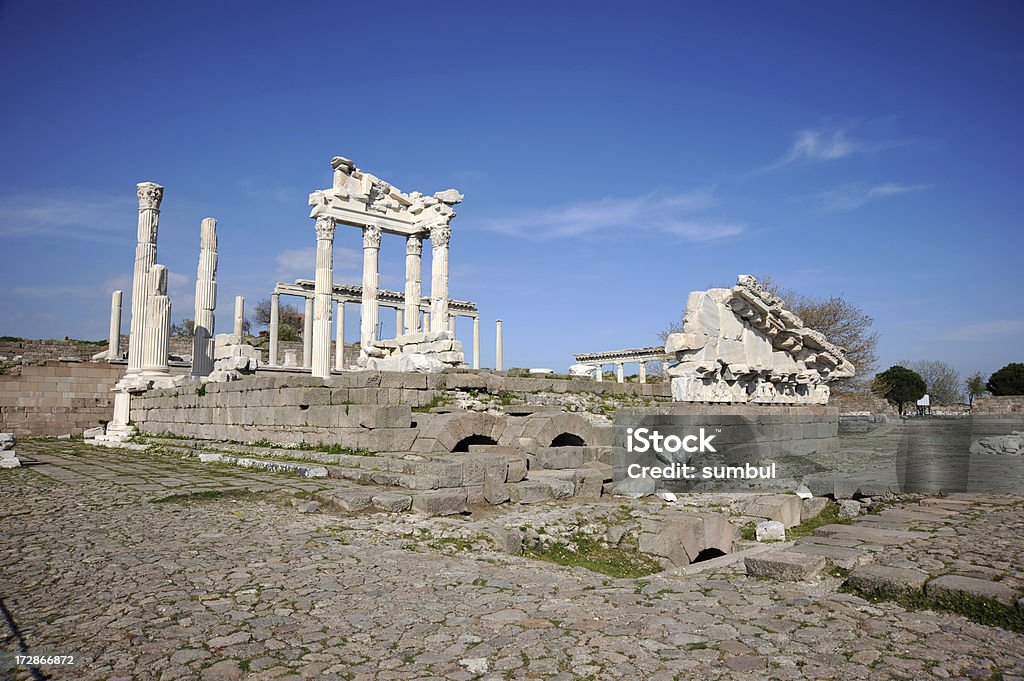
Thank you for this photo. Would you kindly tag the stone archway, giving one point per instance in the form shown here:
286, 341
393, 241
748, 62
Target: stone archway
568, 440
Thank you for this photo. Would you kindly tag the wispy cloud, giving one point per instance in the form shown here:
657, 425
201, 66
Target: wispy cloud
985, 331
67, 213
828, 143
674, 214
300, 263
851, 196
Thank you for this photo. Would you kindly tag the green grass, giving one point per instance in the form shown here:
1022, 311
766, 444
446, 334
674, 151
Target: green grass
208, 495
436, 401
828, 516
588, 551
981, 610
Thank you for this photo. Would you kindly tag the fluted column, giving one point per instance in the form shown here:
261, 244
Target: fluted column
413, 282
439, 237
476, 342
426, 321
206, 299
157, 329
600, 373
369, 309
399, 324
307, 335
322, 289
114, 341
643, 372
275, 326
339, 338
150, 196
498, 359
619, 377
451, 325
239, 327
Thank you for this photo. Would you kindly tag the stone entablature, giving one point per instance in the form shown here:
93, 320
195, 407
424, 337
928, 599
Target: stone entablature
352, 293
656, 352
741, 344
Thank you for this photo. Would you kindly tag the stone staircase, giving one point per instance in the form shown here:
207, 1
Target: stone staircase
432, 484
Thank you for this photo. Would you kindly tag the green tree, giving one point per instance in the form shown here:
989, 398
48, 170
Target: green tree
975, 387
900, 385
186, 328
1007, 381
291, 320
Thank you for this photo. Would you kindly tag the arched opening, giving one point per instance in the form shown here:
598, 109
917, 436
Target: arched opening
708, 554
463, 444
568, 440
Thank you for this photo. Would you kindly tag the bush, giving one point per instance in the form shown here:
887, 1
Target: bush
1007, 381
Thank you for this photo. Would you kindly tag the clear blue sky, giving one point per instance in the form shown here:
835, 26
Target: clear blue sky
613, 157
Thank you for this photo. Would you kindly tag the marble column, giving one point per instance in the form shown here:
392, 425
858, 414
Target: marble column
498, 359
239, 327
206, 299
426, 321
114, 342
339, 338
599, 374
157, 329
150, 196
619, 377
323, 289
439, 238
413, 281
399, 330
643, 372
371, 277
451, 325
307, 335
275, 327
476, 342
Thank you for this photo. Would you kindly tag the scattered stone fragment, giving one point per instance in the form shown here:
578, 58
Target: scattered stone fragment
884, 580
784, 565
957, 585
770, 530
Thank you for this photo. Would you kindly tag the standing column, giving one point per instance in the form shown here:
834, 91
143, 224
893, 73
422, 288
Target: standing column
600, 373
114, 342
323, 288
157, 329
150, 196
413, 279
451, 325
307, 335
643, 372
399, 325
339, 338
439, 237
206, 299
476, 342
664, 370
239, 317
498, 359
426, 321
618, 372
275, 326
369, 310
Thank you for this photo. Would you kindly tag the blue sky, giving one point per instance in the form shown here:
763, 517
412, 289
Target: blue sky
613, 157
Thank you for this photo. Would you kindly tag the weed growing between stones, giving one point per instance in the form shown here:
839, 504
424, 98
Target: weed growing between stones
828, 516
435, 401
589, 552
981, 610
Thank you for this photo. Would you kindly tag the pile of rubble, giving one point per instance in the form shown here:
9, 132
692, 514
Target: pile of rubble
233, 359
428, 352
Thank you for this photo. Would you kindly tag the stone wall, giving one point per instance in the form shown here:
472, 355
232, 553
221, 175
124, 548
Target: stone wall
850, 402
1006, 407
55, 398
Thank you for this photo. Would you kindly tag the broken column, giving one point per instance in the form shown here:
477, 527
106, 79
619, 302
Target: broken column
339, 338
371, 278
413, 278
498, 360
206, 299
114, 342
239, 316
440, 235
157, 329
322, 304
150, 195
307, 335
476, 342
275, 326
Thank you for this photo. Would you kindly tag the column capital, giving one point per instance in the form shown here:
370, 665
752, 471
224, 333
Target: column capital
150, 196
325, 227
371, 236
440, 235
414, 244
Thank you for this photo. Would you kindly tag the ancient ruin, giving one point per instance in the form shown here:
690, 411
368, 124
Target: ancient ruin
741, 345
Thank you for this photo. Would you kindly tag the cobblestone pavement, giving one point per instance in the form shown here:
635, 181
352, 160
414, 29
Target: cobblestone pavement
246, 586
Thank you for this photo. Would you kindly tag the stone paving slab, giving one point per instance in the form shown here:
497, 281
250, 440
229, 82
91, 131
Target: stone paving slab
958, 585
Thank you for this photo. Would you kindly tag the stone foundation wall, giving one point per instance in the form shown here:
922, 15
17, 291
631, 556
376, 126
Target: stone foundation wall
861, 402
1008, 406
55, 398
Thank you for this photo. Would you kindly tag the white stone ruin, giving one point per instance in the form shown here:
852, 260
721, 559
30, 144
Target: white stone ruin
233, 359
741, 345
206, 299
362, 200
8, 455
